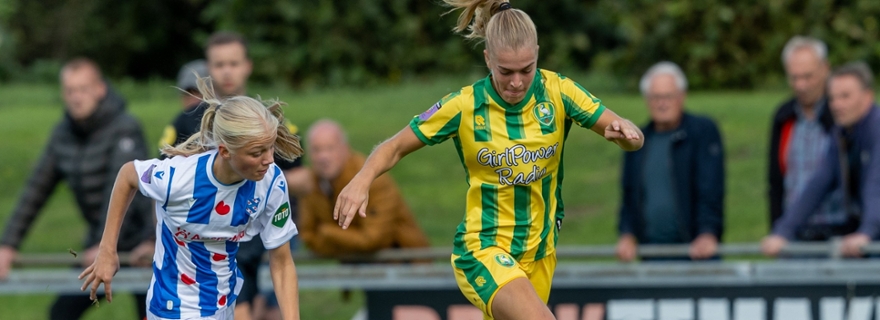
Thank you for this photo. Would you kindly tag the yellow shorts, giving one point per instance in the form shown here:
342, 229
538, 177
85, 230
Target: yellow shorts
481, 273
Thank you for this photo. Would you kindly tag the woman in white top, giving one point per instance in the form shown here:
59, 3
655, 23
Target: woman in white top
220, 188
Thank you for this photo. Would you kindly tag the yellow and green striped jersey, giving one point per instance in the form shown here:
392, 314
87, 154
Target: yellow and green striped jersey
512, 157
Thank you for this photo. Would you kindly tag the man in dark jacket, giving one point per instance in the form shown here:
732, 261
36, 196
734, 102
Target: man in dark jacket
86, 149
800, 136
673, 188
851, 162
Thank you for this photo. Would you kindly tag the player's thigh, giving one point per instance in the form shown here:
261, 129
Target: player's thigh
242, 311
517, 300
481, 273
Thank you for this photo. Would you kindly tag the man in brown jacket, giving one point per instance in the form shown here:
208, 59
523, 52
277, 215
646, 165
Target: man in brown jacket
389, 222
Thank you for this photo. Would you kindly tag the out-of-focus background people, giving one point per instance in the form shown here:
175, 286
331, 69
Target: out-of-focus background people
189, 119
673, 188
87, 147
801, 133
851, 162
332, 164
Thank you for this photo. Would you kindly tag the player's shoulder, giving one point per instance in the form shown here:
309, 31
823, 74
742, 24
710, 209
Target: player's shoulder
458, 99
186, 161
555, 80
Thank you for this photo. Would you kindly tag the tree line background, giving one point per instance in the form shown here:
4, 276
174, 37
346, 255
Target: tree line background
719, 43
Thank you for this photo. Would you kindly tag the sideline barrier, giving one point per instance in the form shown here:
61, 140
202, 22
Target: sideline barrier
828, 249
819, 289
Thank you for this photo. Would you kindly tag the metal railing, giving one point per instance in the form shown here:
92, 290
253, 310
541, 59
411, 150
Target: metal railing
829, 249
314, 272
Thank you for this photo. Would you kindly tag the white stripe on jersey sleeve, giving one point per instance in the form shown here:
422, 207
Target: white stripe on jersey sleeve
275, 222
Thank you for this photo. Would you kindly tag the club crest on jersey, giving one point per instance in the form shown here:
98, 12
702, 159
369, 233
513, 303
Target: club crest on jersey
252, 206
430, 112
504, 260
544, 113
159, 175
281, 215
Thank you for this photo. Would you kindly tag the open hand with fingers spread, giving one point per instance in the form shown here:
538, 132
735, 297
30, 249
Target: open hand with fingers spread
101, 271
352, 201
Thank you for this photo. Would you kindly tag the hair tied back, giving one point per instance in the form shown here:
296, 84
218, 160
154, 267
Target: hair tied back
504, 6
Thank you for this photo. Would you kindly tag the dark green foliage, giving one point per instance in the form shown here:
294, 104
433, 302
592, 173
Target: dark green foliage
727, 44
720, 44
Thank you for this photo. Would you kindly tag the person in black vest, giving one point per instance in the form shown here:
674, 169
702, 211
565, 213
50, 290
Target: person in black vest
800, 136
86, 149
673, 188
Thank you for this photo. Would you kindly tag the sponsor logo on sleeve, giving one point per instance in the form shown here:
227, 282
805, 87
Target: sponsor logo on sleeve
430, 112
279, 219
145, 178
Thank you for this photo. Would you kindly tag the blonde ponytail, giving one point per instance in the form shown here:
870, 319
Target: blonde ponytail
235, 122
494, 22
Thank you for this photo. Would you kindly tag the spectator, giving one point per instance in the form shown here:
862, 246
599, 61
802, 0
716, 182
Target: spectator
673, 188
851, 162
230, 67
800, 135
389, 223
86, 149
188, 121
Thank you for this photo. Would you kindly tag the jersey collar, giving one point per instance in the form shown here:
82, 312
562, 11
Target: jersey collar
536, 81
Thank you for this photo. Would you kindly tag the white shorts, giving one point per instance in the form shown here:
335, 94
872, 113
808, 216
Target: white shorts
224, 314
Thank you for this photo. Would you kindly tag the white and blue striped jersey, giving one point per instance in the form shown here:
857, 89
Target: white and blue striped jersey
200, 222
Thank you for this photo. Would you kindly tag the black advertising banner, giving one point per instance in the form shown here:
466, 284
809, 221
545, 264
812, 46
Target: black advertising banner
745, 302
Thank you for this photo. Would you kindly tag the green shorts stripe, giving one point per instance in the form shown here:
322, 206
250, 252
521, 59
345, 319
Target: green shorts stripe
478, 276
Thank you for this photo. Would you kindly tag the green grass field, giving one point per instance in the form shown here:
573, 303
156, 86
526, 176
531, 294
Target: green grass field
431, 179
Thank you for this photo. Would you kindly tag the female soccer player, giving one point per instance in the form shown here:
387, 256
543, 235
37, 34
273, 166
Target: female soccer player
509, 130
220, 188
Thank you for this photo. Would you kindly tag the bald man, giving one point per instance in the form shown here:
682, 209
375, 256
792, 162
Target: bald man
389, 223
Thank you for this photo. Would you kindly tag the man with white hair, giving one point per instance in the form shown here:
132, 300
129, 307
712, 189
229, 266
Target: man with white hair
800, 135
673, 188
851, 162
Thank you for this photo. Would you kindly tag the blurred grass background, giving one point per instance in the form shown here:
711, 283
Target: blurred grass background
431, 180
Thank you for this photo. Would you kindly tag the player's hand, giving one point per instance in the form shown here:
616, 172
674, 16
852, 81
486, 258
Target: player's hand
352, 200
88, 256
142, 255
7, 256
852, 244
622, 130
773, 244
101, 271
703, 247
627, 246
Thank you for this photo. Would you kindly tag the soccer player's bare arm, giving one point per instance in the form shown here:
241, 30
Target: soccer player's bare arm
353, 198
285, 281
619, 130
107, 262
